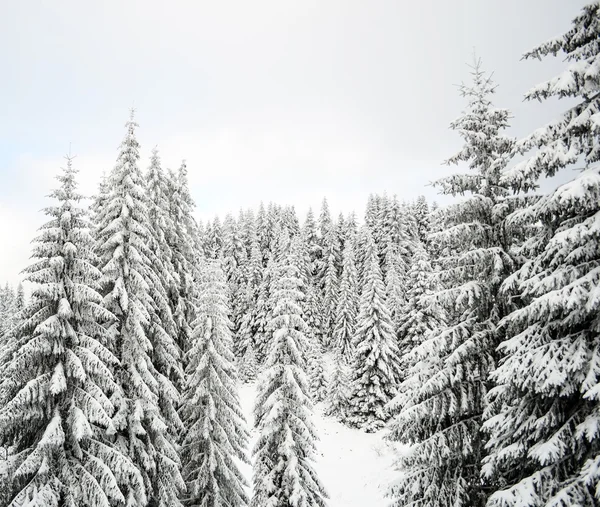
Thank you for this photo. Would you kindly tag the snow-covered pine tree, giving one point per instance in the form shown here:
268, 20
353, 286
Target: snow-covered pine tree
381, 229
245, 335
420, 210
414, 410
317, 376
159, 217
351, 227
7, 309
263, 313
234, 266
146, 420
397, 244
395, 283
214, 239
262, 233
329, 285
289, 220
283, 474
544, 445
338, 392
19, 298
161, 225
55, 393
248, 228
266, 298
347, 306
215, 433
476, 263
98, 203
376, 360
313, 244
419, 318
340, 230
372, 211
183, 242
360, 253
313, 254
248, 368
273, 226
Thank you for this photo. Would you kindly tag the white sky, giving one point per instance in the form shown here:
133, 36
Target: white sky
266, 100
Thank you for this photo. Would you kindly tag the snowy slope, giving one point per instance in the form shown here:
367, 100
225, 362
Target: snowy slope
355, 467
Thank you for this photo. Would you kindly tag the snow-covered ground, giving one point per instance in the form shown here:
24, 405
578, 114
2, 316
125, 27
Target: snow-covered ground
355, 467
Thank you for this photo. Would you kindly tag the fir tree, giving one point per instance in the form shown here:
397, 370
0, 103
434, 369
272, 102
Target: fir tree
317, 377
375, 363
476, 262
56, 392
347, 306
338, 392
395, 282
283, 474
329, 285
420, 211
543, 416
248, 368
264, 312
415, 420
419, 318
145, 420
185, 255
215, 434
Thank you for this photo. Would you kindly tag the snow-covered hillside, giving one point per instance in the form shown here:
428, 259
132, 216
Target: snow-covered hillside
355, 467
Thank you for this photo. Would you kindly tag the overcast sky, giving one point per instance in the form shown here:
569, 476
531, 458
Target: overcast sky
267, 100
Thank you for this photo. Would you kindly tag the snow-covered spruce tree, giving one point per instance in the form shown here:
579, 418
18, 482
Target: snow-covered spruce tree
544, 446
420, 210
146, 420
161, 227
347, 306
376, 360
372, 211
329, 285
360, 252
381, 227
234, 266
245, 335
248, 368
261, 233
313, 243
418, 317
395, 283
283, 475
313, 253
215, 434
55, 414
263, 313
273, 226
400, 237
351, 227
317, 377
340, 231
7, 309
476, 243
338, 392
289, 220
19, 298
213, 243
183, 242
415, 420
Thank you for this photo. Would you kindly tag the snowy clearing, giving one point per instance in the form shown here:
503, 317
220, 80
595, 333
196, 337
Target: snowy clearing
355, 467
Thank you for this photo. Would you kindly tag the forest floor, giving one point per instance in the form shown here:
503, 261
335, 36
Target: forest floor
356, 468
